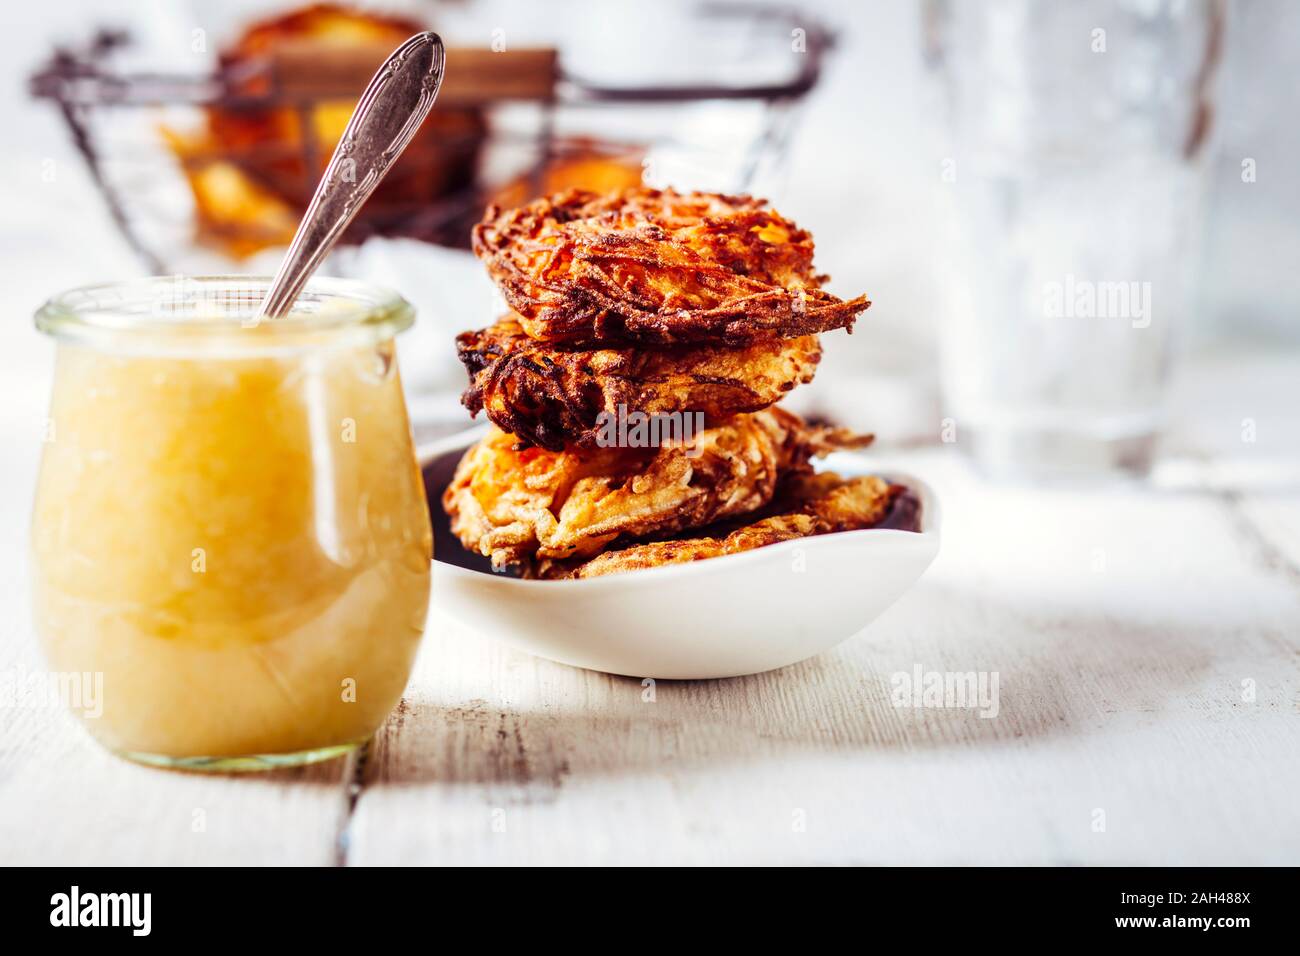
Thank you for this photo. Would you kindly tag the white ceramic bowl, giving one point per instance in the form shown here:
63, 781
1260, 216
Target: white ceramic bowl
723, 617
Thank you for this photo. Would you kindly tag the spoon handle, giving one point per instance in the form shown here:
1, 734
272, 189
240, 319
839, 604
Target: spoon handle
386, 118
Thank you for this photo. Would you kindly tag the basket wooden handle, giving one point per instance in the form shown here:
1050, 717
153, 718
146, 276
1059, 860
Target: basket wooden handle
310, 70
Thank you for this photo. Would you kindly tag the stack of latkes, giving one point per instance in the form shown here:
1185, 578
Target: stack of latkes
635, 316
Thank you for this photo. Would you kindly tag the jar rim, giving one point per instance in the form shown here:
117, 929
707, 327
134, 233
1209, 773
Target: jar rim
197, 306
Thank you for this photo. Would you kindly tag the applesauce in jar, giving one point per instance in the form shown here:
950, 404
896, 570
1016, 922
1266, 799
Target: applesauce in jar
230, 524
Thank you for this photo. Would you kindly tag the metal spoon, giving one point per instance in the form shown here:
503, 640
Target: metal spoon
386, 118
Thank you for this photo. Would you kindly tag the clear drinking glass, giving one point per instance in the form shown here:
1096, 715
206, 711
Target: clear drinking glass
1075, 184
230, 530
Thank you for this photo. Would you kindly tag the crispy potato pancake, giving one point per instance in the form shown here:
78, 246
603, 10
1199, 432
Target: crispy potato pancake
554, 397
657, 268
516, 504
807, 505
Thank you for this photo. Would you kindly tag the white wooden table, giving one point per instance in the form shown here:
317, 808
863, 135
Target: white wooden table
1126, 627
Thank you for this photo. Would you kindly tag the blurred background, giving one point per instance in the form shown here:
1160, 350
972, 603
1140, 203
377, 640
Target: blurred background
1079, 224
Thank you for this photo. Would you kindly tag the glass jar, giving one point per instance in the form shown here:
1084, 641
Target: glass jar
230, 525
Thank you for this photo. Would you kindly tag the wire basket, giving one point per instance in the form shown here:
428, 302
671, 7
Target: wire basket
197, 170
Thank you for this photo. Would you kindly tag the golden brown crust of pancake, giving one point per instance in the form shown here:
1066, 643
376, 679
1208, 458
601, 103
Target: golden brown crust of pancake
516, 504
657, 268
555, 397
807, 505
